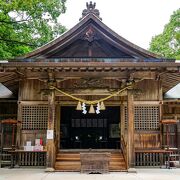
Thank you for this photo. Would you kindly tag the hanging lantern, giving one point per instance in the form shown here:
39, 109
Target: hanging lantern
79, 106
91, 109
102, 106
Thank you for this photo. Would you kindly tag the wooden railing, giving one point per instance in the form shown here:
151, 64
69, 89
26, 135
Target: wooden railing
151, 158
5, 157
124, 150
28, 158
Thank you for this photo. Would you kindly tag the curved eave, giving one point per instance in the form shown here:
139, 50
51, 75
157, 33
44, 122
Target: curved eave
66, 35
125, 41
170, 80
11, 73
170, 66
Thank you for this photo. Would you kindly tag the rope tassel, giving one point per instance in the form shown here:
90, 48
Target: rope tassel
91, 109
79, 106
102, 106
95, 101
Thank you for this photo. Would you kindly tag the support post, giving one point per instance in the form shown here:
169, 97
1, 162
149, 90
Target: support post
122, 119
130, 131
19, 124
50, 132
58, 122
161, 111
178, 134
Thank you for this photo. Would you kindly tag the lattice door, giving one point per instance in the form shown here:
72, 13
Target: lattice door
145, 117
34, 117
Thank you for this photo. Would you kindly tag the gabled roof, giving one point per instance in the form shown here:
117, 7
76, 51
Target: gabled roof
90, 41
91, 38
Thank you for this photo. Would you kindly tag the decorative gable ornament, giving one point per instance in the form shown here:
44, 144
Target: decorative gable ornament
90, 10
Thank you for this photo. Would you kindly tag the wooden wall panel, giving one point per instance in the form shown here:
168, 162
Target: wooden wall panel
150, 90
147, 140
30, 90
171, 110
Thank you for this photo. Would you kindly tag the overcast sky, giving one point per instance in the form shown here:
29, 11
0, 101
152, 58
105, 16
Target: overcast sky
135, 20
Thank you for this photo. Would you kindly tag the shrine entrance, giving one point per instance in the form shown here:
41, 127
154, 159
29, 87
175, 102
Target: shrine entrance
90, 131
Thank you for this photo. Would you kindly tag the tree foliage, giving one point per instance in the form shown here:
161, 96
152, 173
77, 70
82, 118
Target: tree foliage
167, 43
28, 24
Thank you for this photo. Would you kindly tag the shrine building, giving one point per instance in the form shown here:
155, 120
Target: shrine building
89, 96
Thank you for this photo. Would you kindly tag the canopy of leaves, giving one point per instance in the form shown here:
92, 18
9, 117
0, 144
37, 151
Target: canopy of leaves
167, 44
28, 24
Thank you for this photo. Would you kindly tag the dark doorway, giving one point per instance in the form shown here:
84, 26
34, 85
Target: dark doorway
96, 131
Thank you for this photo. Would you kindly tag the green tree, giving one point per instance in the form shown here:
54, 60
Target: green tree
167, 43
28, 24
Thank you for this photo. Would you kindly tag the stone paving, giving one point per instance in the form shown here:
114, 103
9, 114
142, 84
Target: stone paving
39, 174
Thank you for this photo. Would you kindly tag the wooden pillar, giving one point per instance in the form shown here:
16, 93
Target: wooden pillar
178, 134
19, 124
58, 119
19, 117
161, 125
167, 135
50, 132
130, 130
122, 112
161, 109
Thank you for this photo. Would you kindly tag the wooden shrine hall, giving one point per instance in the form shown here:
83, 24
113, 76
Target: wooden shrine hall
89, 93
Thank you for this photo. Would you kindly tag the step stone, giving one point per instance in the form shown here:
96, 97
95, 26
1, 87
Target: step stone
66, 161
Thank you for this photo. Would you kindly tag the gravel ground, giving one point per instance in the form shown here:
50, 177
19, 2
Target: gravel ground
39, 174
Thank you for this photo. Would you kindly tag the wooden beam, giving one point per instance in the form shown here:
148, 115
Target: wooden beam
12, 65
74, 103
78, 74
33, 102
88, 92
143, 74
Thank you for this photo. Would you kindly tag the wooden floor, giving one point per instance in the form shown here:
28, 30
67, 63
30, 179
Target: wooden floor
69, 160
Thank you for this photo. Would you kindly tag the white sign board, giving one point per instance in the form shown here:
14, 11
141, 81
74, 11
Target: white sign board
28, 143
37, 142
50, 134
